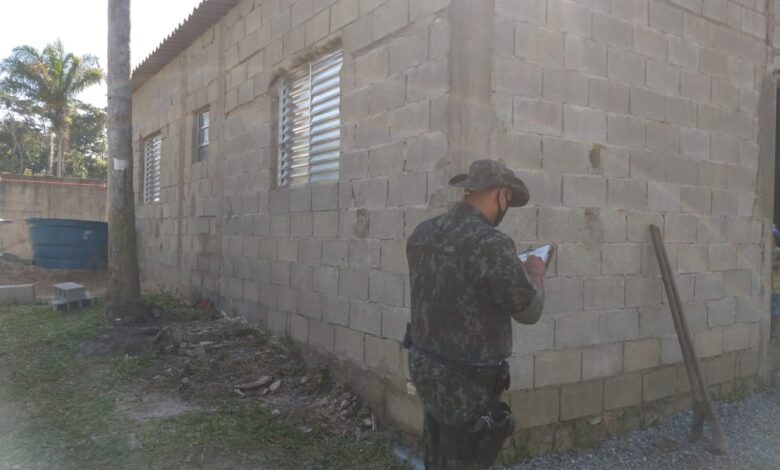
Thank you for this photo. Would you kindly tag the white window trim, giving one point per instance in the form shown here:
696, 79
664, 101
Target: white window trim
152, 168
198, 128
310, 123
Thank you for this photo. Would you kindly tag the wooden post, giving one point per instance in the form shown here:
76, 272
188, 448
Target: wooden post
702, 408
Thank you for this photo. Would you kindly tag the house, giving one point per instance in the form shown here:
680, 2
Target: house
284, 149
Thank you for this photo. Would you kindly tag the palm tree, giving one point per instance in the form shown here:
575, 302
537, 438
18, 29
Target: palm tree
123, 284
52, 79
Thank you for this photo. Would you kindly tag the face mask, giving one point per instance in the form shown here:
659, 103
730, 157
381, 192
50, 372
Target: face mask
501, 212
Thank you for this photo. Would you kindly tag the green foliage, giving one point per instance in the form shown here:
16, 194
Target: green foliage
47, 83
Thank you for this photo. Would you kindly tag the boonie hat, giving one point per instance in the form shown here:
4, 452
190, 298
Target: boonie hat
486, 174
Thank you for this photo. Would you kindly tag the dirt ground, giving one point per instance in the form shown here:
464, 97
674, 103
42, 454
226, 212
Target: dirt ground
172, 386
44, 279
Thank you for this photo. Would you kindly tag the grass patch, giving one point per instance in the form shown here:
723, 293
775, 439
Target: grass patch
58, 409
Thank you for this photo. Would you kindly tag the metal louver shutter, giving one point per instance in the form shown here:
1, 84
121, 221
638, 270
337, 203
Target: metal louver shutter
152, 169
310, 130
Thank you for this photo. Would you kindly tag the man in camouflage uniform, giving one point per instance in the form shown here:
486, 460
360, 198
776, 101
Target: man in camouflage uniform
467, 283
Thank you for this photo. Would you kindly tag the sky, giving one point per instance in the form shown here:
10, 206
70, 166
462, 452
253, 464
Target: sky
81, 25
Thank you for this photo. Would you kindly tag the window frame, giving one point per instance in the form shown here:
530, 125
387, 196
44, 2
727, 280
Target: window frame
309, 122
198, 128
152, 168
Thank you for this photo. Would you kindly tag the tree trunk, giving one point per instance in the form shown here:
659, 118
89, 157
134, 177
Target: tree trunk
52, 150
60, 150
123, 281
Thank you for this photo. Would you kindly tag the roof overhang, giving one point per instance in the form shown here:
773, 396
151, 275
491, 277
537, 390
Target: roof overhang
203, 17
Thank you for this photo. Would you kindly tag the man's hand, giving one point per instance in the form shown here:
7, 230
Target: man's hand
535, 268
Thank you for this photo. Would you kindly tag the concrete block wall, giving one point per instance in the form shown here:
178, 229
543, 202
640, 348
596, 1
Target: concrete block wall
325, 263
22, 197
620, 114
617, 114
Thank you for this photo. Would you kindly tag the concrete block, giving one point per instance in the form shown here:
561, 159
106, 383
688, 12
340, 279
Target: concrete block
408, 189
663, 197
608, 95
696, 200
563, 295
602, 361
722, 257
335, 310
335, 253
565, 87
364, 254
622, 391
584, 55
641, 354
625, 131
578, 260
584, 123
621, 258
626, 193
411, 119
604, 293
386, 288
695, 86
584, 191
535, 408
620, 325
649, 42
516, 149
325, 280
427, 81
626, 67
684, 53
566, 156
310, 251
365, 317
532, 115
383, 354
326, 224
663, 77
301, 224
353, 284
349, 344
725, 94
17, 294
692, 258
582, 399
647, 104
532, 338
569, 17
660, 383
578, 329
321, 335
531, 11
427, 151
721, 312
517, 77
754, 23
521, 371
681, 171
386, 224
299, 328
385, 160
342, 13
681, 112
666, 18
642, 291
612, 30
709, 343
557, 367
737, 283
655, 321
394, 320
708, 286
544, 187
539, 46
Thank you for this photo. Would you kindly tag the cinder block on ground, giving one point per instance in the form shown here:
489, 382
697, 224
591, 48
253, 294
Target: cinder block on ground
19, 294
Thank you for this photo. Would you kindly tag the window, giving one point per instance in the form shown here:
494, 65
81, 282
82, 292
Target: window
310, 123
152, 168
202, 136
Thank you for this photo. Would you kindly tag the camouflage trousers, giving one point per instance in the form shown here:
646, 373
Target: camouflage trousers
450, 447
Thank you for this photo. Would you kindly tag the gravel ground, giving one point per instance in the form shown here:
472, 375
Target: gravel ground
752, 429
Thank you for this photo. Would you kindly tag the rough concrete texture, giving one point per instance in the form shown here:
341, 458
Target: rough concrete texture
43, 196
616, 114
19, 294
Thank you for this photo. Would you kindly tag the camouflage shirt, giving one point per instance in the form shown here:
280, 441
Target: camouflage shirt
467, 285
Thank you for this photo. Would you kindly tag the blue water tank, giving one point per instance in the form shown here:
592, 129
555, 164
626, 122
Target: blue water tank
69, 244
